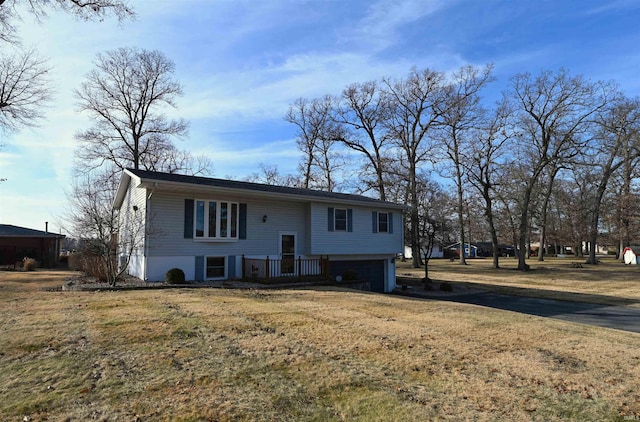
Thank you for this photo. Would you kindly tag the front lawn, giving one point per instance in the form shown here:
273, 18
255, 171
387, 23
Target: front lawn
309, 354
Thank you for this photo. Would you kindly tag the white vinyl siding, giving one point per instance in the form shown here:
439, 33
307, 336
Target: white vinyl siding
262, 237
361, 240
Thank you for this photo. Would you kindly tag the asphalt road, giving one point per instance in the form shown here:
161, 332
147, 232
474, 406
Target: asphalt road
618, 317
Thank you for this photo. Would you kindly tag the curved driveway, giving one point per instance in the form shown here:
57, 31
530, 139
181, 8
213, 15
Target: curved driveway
618, 317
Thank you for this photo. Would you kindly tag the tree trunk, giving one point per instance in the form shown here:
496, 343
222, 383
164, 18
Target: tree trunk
463, 261
524, 227
415, 229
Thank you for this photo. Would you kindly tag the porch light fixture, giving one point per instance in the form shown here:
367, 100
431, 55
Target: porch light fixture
264, 218
135, 208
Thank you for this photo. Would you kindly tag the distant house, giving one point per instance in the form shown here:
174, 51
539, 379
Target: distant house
217, 229
470, 250
17, 243
436, 252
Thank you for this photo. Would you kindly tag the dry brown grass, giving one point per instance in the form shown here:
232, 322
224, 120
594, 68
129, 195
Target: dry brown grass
323, 354
609, 283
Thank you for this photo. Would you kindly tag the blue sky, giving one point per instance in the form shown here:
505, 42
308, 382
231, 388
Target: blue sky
242, 63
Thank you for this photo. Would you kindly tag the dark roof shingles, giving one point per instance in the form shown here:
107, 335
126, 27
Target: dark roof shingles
7, 230
235, 184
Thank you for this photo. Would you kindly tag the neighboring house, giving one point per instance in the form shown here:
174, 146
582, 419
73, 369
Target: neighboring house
206, 226
17, 243
436, 252
470, 250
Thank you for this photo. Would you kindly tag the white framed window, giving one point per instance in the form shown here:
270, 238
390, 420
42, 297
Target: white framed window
215, 267
215, 219
383, 222
340, 220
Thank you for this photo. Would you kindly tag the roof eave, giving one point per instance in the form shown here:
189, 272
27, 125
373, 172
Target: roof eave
154, 183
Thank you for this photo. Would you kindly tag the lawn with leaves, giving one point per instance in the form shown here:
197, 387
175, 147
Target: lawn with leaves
309, 354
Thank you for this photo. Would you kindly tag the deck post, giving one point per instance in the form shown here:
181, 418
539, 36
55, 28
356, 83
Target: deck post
243, 263
267, 268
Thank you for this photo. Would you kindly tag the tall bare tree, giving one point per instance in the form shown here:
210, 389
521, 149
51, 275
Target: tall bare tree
484, 162
24, 89
316, 137
125, 95
360, 112
554, 110
411, 122
618, 142
460, 114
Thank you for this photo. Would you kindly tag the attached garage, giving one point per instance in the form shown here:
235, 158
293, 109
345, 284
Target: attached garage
371, 271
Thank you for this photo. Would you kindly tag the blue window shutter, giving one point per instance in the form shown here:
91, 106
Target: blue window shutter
390, 222
330, 219
188, 218
231, 267
349, 220
242, 232
374, 221
199, 274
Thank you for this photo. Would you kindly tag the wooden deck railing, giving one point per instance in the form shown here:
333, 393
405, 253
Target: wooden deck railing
269, 268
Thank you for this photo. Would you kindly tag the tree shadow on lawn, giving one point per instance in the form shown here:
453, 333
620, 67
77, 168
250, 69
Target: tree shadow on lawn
530, 292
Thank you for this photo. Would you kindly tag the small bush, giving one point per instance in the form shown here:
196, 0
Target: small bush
349, 275
446, 287
29, 264
174, 276
90, 264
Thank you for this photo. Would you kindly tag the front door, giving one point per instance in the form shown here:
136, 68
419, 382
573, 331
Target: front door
288, 253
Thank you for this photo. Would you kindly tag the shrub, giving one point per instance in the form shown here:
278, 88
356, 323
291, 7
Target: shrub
29, 264
174, 276
349, 275
90, 264
446, 287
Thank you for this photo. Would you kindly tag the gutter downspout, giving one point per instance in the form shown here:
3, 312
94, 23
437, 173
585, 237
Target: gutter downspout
146, 221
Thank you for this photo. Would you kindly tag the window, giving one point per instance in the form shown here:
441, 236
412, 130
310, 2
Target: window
383, 222
216, 220
216, 266
340, 220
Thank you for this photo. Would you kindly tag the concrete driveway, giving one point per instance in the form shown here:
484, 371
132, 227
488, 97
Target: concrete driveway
618, 317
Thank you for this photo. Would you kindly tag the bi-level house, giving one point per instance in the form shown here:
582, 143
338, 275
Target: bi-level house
216, 229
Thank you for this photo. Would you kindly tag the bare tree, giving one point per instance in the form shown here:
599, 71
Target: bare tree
460, 114
82, 9
105, 239
24, 89
316, 138
360, 112
618, 141
554, 110
484, 164
270, 175
434, 217
125, 95
414, 116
